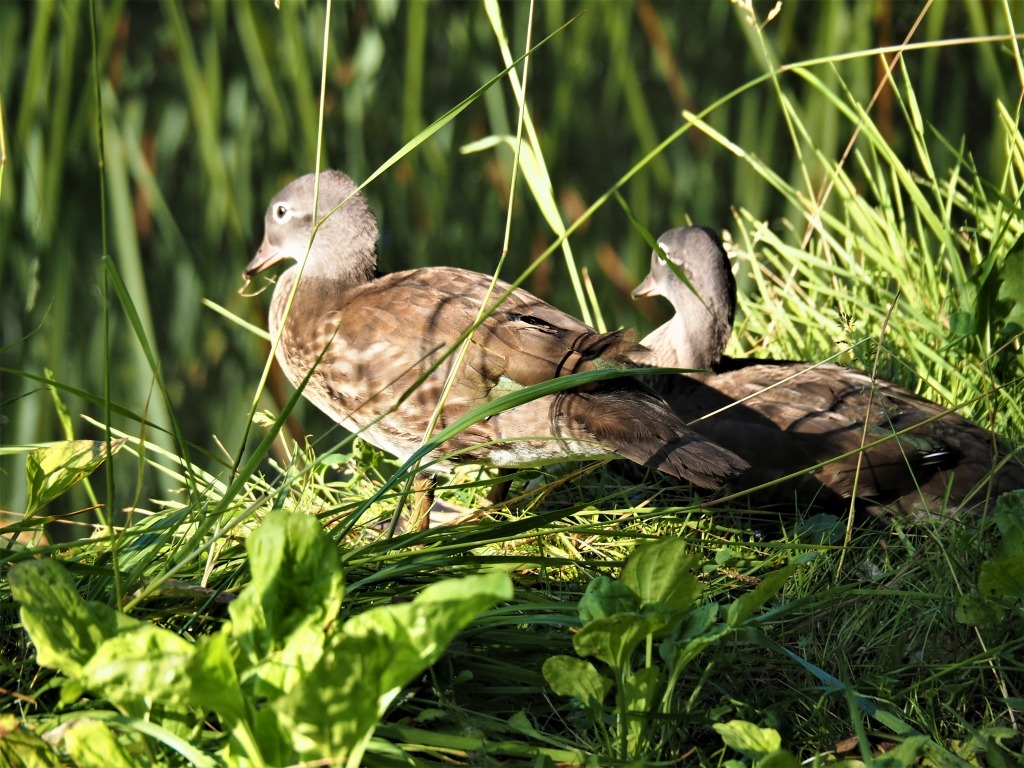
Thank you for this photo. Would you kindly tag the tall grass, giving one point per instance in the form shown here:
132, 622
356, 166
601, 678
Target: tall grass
691, 112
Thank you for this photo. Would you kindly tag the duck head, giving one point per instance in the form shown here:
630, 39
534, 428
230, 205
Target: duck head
705, 302
344, 247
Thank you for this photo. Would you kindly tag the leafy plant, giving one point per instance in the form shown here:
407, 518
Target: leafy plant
1000, 587
646, 627
286, 680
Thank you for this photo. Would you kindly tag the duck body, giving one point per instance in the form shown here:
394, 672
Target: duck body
893, 451
372, 343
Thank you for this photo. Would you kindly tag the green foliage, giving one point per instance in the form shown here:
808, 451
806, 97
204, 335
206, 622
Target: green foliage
656, 598
762, 746
1003, 574
92, 744
285, 681
20, 747
53, 470
1000, 577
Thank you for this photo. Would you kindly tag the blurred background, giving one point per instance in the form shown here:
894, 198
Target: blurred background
210, 107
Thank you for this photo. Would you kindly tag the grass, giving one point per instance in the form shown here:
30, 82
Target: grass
903, 639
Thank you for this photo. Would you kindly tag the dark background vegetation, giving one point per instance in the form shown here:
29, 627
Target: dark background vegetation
210, 107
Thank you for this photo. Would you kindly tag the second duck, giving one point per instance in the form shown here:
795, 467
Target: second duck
784, 417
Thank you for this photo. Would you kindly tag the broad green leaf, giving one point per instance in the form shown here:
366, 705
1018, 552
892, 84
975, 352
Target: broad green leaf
910, 751
605, 597
140, 663
148, 662
640, 691
980, 611
725, 556
693, 634
1011, 291
92, 744
333, 710
20, 747
296, 592
740, 609
822, 529
421, 630
748, 739
569, 676
780, 758
662, 572
211, 679
65, 629
1009, 514
110, 653
612, 639
52, 470
1003, 573
696, 623
264, 737
962, 322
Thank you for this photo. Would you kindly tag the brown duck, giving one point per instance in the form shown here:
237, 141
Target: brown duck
377, 335
783, 417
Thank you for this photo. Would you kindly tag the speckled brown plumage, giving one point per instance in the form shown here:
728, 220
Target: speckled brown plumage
786, 416
378, 335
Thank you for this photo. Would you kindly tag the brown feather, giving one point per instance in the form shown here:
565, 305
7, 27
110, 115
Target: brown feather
378, 335
785, 417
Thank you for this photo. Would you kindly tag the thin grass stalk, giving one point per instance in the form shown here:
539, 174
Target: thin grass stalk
541, 186
3, 147
280, 333
794, 127
105, 513
851, 513
204, 109
316, 202
888, 65
483, 311
1018, 57
415, 66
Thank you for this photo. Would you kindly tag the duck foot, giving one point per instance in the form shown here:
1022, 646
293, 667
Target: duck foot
499, 491
428, 512
440, 513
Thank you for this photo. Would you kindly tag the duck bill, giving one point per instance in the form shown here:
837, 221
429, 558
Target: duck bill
649, 287
267, 256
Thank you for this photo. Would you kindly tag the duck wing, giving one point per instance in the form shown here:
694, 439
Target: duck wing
784, 416
379, 339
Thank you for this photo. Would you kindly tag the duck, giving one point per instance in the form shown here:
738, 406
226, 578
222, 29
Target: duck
370, 348
787, 418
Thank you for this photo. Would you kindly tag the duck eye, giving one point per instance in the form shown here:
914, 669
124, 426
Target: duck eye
280, 212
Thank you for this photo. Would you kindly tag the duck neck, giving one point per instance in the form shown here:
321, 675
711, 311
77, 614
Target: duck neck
318, 288
678, 344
